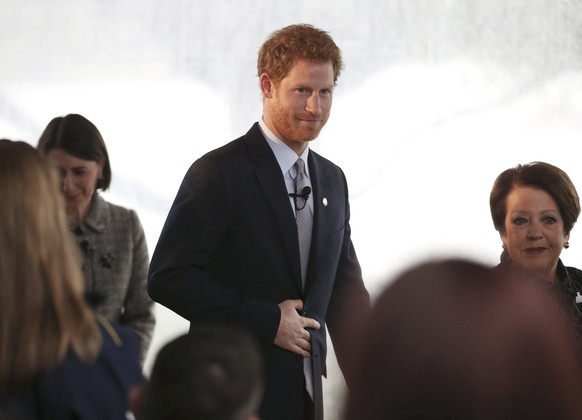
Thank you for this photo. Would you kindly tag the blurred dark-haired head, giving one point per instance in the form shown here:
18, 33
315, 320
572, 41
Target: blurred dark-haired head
213, 373
454, 339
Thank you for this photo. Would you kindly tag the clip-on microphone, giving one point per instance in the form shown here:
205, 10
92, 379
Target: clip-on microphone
304, 194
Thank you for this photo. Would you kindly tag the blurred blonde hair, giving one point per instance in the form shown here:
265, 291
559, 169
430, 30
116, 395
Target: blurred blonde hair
43, 313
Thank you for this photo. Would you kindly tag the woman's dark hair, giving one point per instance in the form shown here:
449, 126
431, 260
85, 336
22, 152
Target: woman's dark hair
79, 137
213, 372
543, 176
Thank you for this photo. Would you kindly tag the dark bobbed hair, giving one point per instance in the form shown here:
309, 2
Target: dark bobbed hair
215, 372
457, 340
302, 41
543, 176
79, 137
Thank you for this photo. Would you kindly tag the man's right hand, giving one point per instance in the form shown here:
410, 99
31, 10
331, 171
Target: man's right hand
292, 334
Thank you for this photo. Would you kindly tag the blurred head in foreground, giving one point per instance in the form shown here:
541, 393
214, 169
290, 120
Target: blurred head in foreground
454, 339
212, 373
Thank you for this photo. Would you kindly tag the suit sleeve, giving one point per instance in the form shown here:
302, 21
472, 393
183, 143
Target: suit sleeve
350, 306
179, 278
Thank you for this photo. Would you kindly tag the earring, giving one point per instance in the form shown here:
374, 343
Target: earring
567, 245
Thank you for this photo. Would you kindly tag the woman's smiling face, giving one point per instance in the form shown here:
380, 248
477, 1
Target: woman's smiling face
79, 179
534, 230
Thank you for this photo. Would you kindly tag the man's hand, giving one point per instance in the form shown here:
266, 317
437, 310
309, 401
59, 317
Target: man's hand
292, 334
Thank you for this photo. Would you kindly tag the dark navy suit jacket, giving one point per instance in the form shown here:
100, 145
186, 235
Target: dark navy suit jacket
76, 390
229, 252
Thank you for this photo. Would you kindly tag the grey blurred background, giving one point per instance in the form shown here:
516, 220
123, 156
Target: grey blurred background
437, 98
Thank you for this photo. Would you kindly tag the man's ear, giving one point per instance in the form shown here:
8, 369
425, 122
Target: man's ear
266, 85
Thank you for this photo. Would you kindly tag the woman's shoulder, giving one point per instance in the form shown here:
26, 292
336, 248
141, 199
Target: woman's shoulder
574, 273
119, 216
103, 204
117, 367
120, 348
118, 360
70, 389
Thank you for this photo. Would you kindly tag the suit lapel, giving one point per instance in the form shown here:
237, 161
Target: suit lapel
321, 228
271, 181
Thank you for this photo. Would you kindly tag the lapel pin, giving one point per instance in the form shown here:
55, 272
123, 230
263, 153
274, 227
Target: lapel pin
324, 202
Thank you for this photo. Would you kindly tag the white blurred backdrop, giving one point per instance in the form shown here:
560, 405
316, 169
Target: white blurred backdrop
437, 98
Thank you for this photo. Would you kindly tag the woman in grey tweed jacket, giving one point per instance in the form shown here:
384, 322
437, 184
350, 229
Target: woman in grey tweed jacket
110, 237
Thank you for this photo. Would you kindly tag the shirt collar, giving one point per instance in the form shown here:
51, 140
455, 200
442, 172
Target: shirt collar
96, 218
283, 153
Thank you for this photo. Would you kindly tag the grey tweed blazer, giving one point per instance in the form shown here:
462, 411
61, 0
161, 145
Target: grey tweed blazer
115, 266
